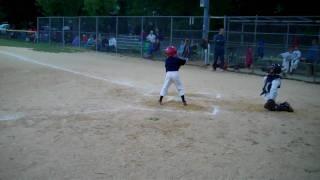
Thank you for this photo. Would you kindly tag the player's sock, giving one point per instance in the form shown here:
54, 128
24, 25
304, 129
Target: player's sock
160, 100
183, 100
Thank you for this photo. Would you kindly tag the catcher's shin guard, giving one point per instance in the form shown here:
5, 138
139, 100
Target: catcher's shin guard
285, 106
270, 105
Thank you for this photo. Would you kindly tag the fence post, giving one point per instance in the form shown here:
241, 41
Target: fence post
287, 40
37, 35
171, 30
117, 19
97, 31
63, 32
242, 29
141, 36
255, 29
225, 27
205, 28
255, 38
314, 71
49, 30
79, 31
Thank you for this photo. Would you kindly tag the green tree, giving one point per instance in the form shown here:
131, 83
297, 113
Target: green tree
2, 15
101, 7
60, 7
161, 7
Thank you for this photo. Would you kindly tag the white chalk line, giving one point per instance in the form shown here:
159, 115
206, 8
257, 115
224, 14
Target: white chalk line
22, 58
114, 110
144, 109
215, 110
177, 98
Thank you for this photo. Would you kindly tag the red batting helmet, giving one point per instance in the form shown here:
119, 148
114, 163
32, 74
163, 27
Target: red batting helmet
171, 51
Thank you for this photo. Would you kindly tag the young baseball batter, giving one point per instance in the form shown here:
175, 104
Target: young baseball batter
172, 66
272, 83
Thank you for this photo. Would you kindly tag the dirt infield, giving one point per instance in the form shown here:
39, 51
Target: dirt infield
95, 116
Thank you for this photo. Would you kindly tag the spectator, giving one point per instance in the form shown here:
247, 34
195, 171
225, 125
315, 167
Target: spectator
158, 35
76, 41
151, 37
287, 58
249, 57
156, 45
90, 42
312, 56
219, 42
84, 39
150, 44
112, 43
147, 48
260, 49
181, 47
104, 43
143, 35
32, 34
296, 59
186, 49
98, 42
313, 52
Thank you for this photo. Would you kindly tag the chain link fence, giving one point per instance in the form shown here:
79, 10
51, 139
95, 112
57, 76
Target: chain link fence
267, 38
263, 38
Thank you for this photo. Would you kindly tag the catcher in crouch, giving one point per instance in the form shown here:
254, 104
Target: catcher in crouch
172, 66
272, 83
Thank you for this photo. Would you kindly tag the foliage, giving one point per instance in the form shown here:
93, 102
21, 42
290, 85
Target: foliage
100, 7
60, 7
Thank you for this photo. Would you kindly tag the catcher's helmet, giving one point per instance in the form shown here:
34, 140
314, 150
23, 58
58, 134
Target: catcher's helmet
276, 68
171, 51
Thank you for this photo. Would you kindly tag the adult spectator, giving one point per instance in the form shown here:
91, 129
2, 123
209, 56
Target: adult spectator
312, 56
249, 57
260, 49
151, 37
219, 43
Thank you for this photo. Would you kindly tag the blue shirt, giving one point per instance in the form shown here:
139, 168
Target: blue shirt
174, 63
219, 42
313, 54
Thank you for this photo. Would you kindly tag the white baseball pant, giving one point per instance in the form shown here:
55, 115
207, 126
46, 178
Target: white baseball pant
172, 77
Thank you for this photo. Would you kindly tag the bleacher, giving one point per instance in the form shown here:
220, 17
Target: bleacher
129, 43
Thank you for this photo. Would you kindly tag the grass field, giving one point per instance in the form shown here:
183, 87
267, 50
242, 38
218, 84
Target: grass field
45, 47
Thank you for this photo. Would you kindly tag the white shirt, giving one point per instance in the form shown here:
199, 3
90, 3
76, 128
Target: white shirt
273, 93
113, 42
151, 38
296, 54
287, 56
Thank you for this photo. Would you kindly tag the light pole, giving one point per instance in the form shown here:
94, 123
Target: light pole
205, 30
